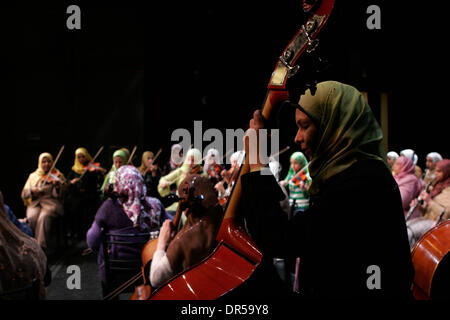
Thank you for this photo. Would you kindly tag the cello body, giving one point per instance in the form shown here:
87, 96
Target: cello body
431, 260
223, 270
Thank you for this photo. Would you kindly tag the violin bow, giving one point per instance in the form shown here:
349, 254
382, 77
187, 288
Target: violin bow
54, 164
92, 161
280, 152
131, 155
226, 154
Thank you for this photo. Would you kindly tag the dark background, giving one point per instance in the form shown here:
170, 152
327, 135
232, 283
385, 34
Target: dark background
206, 60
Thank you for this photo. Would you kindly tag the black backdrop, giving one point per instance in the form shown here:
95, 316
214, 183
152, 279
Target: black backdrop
206, 60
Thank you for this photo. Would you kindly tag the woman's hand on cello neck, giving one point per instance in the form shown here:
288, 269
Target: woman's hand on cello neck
251, 142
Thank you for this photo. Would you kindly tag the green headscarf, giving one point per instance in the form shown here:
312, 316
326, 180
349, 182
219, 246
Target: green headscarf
346, 128
122, 154
110, 177
301, 160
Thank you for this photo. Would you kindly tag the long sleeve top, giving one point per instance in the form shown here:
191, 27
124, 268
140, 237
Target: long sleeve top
355, 222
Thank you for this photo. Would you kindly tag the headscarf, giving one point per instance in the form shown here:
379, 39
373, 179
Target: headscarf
197, 159
346, 128
121, 153
212, 153
175, 159
111, 176
36, 176
145, 156
392, 155
78, 166
444, 166
300, 158
21, 257
410, 153
131, 187
405, 167
434, 156
238, 156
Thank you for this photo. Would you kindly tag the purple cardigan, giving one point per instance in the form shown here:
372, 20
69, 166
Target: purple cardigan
112, 218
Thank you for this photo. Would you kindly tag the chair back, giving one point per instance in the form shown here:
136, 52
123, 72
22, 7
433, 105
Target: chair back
121, 256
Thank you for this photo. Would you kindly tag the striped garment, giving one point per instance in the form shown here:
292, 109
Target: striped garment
299, 195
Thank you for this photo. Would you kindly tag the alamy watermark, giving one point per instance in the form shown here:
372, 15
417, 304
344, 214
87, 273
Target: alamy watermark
231, 141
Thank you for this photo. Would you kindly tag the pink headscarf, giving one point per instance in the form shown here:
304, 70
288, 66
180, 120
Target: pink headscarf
130, 186
405, 167
444, 166
407, 181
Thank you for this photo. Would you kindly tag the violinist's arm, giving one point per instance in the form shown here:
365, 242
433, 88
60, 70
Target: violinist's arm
165, 182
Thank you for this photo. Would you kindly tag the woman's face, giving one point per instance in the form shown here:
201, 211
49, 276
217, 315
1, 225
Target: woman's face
148, 160
439, 174
430, 163
295, 165
396, 166
46, 164
118, 162
191, 162
82, 158
307, 133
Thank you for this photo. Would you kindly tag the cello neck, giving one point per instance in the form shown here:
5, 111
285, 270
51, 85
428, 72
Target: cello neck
273, 98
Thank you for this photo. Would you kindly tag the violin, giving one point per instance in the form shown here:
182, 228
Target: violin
51, 178
214, 171
91, 167
195, 169
300, 176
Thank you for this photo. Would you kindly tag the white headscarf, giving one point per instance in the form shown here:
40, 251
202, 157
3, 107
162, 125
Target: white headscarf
392, 155
434, 156
410, 153
175, 159
212, 153
238, 156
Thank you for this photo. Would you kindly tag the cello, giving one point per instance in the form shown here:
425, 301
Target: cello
431, 260
236, 256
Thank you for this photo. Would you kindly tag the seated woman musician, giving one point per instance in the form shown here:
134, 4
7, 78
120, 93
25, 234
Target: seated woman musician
435, 206
196, 239
175, 161
229, 176
83, 194
192, 164
120, 158
151, 174
298, 182
130, 212
43, 195
212, 167
408, 183
430, 164
343, 240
